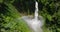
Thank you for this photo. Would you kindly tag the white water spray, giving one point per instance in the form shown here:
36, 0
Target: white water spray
36, 10
34, 24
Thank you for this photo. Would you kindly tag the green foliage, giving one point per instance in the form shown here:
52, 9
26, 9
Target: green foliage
16, 13
14, 24
1, 1
51, 11
10, 17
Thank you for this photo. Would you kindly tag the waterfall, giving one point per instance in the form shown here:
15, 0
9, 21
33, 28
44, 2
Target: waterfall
34, 23
36, 10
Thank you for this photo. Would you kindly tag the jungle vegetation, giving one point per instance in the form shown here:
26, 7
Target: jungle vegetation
11, 12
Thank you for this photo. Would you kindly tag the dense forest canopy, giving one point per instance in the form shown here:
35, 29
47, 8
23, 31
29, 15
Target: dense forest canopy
11, 10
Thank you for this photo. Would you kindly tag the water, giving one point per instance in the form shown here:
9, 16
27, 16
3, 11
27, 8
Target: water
36, 10
34, 23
